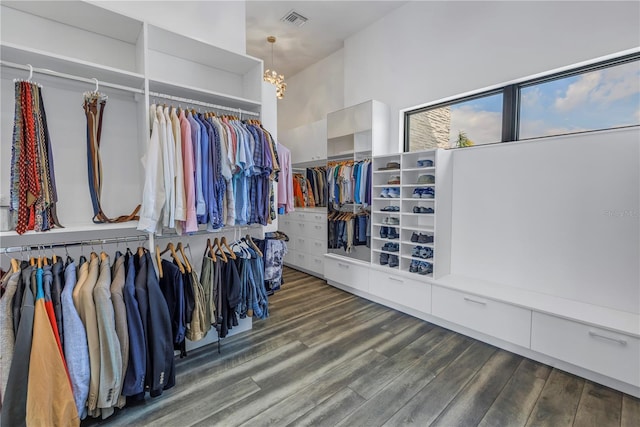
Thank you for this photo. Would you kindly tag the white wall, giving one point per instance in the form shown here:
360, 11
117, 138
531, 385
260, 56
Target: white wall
425, 51
221, 23
558, 216
313, 93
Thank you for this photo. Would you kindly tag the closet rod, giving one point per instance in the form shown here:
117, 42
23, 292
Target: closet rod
138, 238
203, 104
69, 76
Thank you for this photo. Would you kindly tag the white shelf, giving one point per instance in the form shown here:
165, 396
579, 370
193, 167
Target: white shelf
429, 260
419, 185
387, 186
410, 243
416, 214
62, 64
419, 228
199, 94
417, 169
386, 171
70, 233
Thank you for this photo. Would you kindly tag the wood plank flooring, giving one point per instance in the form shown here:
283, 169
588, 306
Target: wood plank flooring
327, 358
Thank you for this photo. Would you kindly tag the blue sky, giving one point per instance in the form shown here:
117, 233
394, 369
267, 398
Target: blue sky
595, 100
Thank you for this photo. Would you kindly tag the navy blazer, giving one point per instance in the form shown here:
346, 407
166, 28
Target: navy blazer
136, 369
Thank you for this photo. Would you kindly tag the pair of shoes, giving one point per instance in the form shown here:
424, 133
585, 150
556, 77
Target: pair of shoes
394, 261
391, 209
394, 179
413, 267
422, 252
391, 220
422, 209
391, 247
426, 179
421, 238
424, 163
384, 258
424, 193
389, 233
391, 192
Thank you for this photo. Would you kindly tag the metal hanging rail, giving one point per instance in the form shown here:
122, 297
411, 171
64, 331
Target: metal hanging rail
203, 104
90, 242
68, 76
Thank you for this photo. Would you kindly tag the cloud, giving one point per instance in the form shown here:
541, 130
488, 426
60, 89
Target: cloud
481, 127
540, 128
578, 92
530, 97
601, 87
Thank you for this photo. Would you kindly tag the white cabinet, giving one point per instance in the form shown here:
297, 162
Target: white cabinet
600, 350
361, 129
504, 321
307, 143
398, 289
351, 273
307, 231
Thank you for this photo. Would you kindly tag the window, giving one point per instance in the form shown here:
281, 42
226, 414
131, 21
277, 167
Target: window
462, 124
600, 96
601, 99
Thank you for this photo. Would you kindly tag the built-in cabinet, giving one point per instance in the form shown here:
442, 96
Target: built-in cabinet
134, 62
307, 143
307, 245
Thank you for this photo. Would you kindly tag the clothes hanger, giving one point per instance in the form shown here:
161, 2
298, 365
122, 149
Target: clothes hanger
223, 241
184, 257
174, 255
216, 243
54, 257
159, 262
253, 244
15, 265
209, 250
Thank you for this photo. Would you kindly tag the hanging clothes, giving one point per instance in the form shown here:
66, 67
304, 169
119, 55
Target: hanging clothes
33, 185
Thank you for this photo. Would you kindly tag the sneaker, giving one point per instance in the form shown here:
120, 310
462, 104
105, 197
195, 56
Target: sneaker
387, 209
425, 268
426, 252
393, 261
414, 237
422, 210
392, 221
413, 267
384, 258
393, 247
415, 251
383, 232
424, 163
428, 193
425, 238
394, 192
417, 193
394, 179
392, 233
384, 193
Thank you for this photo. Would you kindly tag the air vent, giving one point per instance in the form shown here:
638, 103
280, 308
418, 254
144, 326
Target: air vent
293, 17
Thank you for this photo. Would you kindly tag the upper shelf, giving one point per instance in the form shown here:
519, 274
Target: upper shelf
61, 64
176, 89
194, 50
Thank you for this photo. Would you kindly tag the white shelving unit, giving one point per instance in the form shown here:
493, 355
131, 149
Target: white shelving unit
131, 59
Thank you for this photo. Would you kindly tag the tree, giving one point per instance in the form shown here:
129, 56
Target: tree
463, 140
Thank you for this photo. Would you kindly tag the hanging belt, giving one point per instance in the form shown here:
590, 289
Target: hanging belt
94, 163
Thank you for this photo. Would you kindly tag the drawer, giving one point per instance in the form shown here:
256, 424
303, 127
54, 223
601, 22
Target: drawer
285, 224
316, 231
408, 292
609, 353
316, 247
500, 320
315, 264
297, 216
316, 217
299, 243
295, 259
346, 273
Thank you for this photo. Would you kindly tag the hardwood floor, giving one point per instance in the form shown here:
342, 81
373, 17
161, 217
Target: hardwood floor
325, 358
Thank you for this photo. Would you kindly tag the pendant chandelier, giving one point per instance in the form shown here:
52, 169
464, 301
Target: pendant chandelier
272, 75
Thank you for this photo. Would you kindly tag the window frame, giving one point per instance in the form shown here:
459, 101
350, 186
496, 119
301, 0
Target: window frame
511, 102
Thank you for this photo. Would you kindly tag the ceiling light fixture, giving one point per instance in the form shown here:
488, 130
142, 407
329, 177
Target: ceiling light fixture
272, 75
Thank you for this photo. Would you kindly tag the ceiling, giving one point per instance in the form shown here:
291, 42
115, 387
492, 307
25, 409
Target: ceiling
330, 23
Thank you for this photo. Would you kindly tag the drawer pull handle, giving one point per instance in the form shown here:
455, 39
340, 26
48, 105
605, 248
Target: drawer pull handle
475, 301
597, 335
395, 279
318, 227
342, 265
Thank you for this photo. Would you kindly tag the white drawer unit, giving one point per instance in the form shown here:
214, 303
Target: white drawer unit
307, 231
503, 321
346, 272
609, 353
410, 293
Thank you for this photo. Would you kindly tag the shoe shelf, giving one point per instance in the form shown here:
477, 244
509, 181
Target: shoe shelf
431, 169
